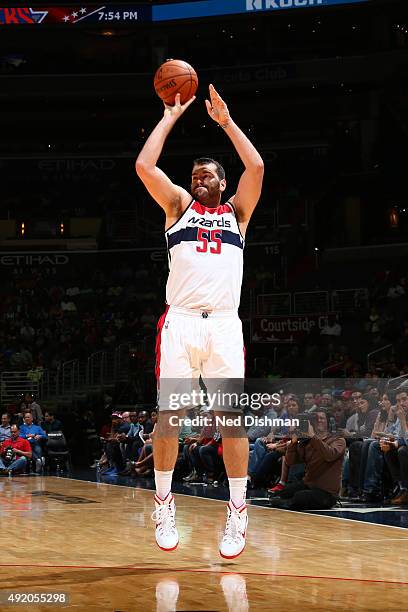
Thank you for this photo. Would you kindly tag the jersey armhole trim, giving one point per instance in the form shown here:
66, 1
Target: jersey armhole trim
235, 213
180, 217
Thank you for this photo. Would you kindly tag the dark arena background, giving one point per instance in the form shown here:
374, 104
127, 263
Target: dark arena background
320, 88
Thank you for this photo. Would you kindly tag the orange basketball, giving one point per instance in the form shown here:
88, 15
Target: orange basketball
173, 77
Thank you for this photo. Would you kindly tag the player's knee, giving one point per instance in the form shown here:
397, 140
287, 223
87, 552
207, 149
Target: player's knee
169, 423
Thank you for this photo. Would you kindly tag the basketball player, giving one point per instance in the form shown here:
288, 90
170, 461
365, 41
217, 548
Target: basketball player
200, 332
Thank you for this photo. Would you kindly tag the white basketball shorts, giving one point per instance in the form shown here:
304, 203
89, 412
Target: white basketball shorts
194, 343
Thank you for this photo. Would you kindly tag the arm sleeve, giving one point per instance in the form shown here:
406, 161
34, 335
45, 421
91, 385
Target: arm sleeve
371, 418
23, 432
26, 447
295, 454
332, 451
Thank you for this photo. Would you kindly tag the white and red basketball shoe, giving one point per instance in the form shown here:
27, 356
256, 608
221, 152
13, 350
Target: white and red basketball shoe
167, 537
233, 541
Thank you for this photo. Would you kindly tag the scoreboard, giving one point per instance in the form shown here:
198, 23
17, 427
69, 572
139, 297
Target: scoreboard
131, 13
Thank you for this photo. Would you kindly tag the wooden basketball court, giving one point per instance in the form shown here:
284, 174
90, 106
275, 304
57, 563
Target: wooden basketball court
95, 543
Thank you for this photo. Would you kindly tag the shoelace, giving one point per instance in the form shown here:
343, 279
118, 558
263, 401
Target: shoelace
233, 531
164, 518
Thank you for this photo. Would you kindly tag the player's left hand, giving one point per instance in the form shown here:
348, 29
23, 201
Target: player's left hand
217, 109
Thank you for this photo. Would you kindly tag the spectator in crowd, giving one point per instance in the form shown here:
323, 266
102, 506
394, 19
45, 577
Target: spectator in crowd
309, 404
396, 452
36, 437
132, 441
146, 422
358, 426
50, 423
211, 458
254, 432
366, 458
322, 454
114, 460
145, 463
273, 460
339, 414
14, 453
5, 432
30, 403
187, 433
191, 449
326, 400
126, 422
361, 423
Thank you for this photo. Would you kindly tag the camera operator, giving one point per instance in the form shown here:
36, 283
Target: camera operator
14, 452
322, 452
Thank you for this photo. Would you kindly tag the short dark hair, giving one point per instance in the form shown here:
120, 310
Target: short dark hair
203, 161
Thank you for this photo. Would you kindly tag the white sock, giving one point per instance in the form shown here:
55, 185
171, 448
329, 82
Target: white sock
237, 487
163, 483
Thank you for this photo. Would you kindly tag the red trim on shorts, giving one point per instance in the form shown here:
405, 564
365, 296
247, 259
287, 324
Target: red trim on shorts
160, 325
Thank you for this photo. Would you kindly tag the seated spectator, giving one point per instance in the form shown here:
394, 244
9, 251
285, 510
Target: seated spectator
322, 453
309, 404
358, 427
191, 449
114, 461
211, 458
14, 453
30, 404
146, 422
267, 460
254, 432
5, 433
366, 458
132, 441
361, 423
145, 463
187, 434
126, 422
50, 423
396, 453
36, 437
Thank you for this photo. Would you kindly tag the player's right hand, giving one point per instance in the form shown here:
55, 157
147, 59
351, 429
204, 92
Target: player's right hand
174, 112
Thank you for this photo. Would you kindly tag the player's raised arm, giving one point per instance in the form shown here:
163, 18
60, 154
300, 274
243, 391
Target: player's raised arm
168, 195
250, 184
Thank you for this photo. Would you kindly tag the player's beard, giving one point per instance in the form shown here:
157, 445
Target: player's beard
208, 195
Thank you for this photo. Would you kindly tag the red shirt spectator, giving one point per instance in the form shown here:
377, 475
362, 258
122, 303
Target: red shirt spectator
19, 443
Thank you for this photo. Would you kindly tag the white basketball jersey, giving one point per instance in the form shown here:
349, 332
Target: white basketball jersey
205, 249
